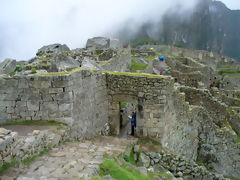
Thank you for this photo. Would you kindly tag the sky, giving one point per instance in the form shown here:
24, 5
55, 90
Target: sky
27, 25
232, 4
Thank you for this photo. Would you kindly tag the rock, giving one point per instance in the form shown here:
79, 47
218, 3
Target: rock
141, 60
108, 177
57, 155
4, 131
36, 132
115, 44
180, 174
98, 43
7, 66
89, 64
144, 160
53, 48
106, 130
7, 178
106, 55
136, 148
61, 62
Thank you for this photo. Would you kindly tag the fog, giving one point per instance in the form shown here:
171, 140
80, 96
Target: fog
26, 25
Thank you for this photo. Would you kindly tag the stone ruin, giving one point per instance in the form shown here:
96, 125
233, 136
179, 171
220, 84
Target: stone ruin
82, 89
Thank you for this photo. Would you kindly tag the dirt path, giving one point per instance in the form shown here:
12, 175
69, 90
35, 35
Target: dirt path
73, 160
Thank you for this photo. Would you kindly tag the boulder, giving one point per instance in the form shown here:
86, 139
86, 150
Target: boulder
53, 48
144, 160
7, 66
61, 62
106, 55
4, 131
98, 43
115, 44
90, 64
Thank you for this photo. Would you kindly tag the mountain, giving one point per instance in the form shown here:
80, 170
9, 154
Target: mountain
211, 26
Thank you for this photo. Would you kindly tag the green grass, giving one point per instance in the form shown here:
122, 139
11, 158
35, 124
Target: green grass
130, 158
42, 59
166, 175
33, 71
120, 172
31, 159
101, 63
38, 123
123, 104
229, 70
146, 140
238, 140
138, 66
150, 58
134, 74
61, 73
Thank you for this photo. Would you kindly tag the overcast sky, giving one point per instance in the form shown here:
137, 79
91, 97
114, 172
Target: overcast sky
232, 4
27, 25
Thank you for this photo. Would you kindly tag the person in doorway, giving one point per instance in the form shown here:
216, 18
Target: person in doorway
133, 123
121, 119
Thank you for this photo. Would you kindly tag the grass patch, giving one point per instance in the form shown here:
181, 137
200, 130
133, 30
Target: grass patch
229, 70
146, 140
138, 66
130, 159
238, 140
42, 59
101, 63
61, 73
166, 175
150, 58
38, 123
120, 172
31, 159
123, 104
135, 74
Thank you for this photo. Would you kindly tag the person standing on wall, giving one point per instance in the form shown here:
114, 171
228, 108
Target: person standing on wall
133, 123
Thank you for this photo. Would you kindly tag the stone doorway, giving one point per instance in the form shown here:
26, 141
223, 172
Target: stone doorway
120, 111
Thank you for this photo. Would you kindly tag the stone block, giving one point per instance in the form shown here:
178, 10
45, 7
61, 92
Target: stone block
55, 90
33, 105
23, 83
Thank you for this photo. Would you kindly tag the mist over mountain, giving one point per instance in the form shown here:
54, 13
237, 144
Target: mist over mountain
211, 26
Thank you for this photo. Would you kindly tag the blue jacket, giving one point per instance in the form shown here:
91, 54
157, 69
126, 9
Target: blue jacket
134, 120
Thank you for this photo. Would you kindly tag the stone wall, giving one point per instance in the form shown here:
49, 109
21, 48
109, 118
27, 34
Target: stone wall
150, 95
69, 99
188, 79
121, 62
35, 98
192, 132
90, 103
14, 148
219, 112
226, 97
211, 59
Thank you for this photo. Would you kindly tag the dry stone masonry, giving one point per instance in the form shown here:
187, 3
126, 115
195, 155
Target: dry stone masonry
196, 123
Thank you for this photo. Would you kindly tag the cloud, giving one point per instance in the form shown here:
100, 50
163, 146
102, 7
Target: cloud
27, 25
